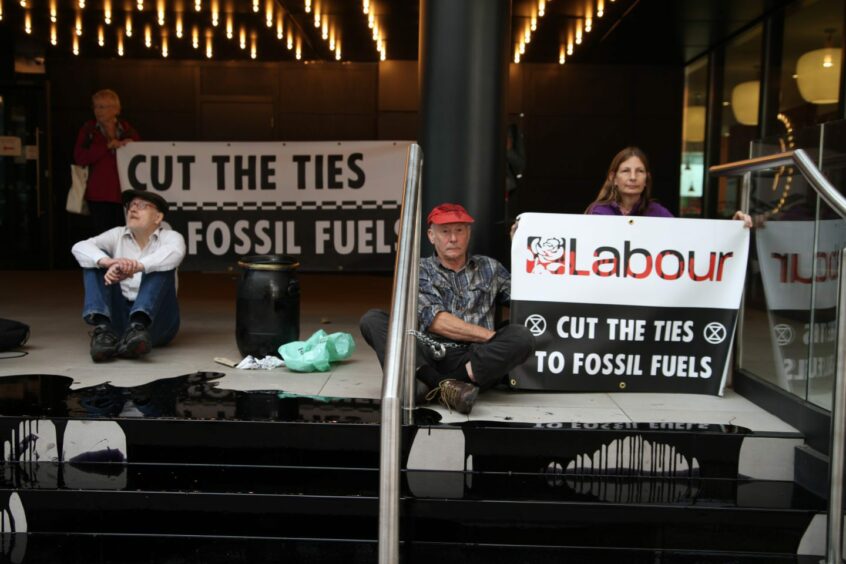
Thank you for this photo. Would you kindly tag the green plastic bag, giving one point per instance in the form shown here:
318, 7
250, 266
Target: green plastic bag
317, 352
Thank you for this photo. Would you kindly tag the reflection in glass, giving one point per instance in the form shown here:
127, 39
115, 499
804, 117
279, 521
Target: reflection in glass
693, 139
739, 117
812, 61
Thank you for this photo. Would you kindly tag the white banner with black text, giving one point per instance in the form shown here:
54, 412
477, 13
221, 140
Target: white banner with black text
634, 304
333, 205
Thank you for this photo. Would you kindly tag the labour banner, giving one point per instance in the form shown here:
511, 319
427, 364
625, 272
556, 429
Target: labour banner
333, 205
627, 303
800, 287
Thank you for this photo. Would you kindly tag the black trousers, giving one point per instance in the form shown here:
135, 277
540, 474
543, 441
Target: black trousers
490, 361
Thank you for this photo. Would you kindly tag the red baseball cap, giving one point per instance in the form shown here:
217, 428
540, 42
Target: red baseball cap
448, 213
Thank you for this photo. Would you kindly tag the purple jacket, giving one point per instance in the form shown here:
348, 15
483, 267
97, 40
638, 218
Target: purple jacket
653, 209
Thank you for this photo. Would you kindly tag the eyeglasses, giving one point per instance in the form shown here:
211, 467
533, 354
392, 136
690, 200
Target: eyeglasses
139, 205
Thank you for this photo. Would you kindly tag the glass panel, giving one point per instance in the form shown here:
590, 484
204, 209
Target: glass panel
693, 139
812, 61
739, 116
830, 241
778, 313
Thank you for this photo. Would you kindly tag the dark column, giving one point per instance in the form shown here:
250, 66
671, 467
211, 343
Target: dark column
771, 55
464, 51
712, 131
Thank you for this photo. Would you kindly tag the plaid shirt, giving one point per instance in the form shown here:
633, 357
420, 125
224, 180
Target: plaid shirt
469, 294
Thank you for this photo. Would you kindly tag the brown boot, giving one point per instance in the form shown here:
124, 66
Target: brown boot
456, 395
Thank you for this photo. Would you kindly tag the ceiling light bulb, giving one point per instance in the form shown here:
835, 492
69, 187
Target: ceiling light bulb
119, 43
78, 26
53, 13
253, 46
54, 35
179, 27
101, 38
148, 36
195, 37
307, 6
242, 38
365, 6
128, 25
28, 22
280, 27
107, 12
75, 45
228, 26
198, 5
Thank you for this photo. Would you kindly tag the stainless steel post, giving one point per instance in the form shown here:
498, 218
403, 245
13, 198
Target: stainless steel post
834, 540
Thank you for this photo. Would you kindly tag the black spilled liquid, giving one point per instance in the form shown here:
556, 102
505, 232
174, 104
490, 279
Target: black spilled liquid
196, 396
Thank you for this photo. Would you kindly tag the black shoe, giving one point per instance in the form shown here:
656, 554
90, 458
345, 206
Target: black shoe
104, 343
135, 342
456, 395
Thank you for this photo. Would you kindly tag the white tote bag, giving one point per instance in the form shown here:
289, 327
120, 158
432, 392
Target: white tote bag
76, 195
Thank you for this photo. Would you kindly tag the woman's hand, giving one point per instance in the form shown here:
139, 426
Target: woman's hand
744, 217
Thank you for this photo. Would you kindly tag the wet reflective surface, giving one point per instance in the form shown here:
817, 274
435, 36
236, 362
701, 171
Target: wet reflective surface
192, 396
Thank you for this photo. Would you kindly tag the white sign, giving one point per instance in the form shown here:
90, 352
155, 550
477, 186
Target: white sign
333, 205
627, 303
647, 261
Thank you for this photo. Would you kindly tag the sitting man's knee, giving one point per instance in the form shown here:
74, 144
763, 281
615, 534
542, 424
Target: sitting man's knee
372, 319
522, 338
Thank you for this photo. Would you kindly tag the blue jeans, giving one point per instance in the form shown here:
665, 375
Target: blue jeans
156, 298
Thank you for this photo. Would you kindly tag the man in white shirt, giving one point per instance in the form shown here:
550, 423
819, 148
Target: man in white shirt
130, 280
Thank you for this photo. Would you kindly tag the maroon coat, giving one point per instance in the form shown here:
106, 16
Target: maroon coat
92, 150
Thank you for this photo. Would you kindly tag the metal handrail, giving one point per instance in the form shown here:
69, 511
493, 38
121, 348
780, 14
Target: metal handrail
398, 357
798, 158
836, 201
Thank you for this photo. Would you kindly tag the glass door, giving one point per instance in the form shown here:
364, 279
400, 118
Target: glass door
25, 195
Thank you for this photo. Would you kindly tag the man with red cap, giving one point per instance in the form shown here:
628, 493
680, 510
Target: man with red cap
460, 352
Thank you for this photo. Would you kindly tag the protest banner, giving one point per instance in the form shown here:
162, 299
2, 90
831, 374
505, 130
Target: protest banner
333, 205
627, 303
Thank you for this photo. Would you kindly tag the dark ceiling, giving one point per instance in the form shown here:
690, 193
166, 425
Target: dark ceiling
629, 31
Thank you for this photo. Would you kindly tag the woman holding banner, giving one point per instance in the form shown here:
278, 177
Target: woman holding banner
628, 189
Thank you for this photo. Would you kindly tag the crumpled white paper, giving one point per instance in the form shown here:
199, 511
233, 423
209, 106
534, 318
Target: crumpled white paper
267, 363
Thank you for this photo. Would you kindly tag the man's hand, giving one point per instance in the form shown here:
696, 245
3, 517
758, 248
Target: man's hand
119, 269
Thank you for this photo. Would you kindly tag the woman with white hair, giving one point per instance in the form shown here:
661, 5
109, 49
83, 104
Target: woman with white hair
96, 145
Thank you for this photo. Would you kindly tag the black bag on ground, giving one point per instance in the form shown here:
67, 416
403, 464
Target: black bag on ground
13, 334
